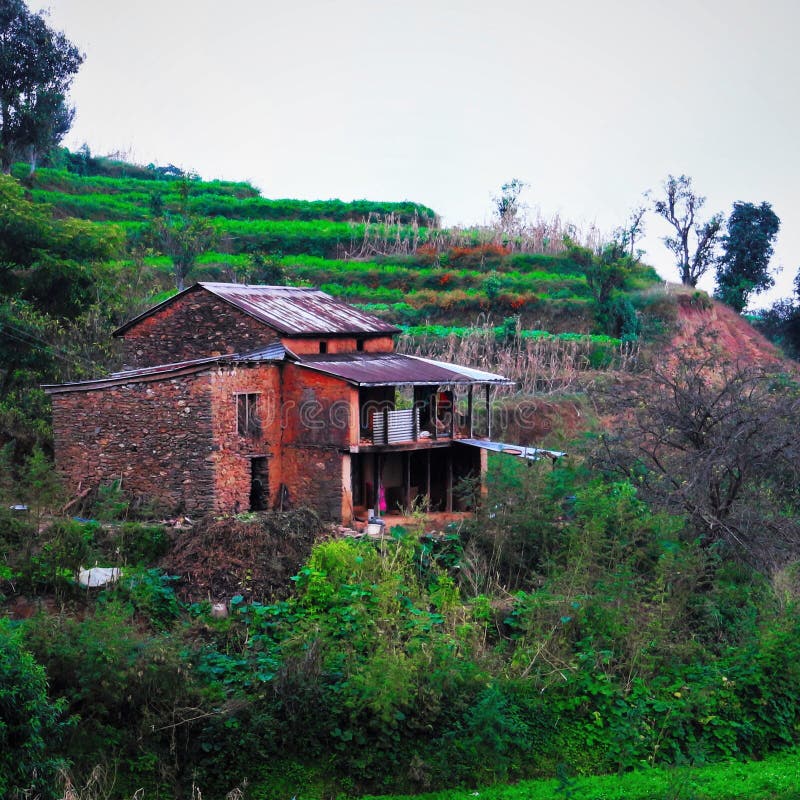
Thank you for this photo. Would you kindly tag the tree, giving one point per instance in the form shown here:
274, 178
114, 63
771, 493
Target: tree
606, 273
743, 267
30, 724
180, 235
628, 234
679, 208
781, 322
717, 441
508, 208
37, 65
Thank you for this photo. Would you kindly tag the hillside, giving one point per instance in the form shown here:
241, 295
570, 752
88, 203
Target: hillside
632, 605
390, 257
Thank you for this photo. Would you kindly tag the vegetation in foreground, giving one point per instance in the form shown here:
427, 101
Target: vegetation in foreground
572, 627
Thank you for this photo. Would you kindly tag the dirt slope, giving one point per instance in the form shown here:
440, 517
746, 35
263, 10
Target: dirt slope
718, 326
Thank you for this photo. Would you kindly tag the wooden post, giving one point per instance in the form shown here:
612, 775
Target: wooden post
407, 479
376, 478
488, 412
449, 479
452, 393
469, 412
385, 425
435, 413
428, 487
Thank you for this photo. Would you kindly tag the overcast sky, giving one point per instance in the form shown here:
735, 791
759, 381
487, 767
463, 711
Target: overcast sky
441, 102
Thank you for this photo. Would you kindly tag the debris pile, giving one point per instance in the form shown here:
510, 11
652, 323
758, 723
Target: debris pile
253, 555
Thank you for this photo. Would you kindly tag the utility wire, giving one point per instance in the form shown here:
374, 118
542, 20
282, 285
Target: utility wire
34, 341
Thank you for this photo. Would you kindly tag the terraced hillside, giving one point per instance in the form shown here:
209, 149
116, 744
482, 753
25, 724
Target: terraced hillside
393, 258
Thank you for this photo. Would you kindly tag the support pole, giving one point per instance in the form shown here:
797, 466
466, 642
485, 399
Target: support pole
452, 393
488, 412
469, 412
428, 487
449, 479
407, 479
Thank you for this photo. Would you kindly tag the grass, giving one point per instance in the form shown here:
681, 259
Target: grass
775, 778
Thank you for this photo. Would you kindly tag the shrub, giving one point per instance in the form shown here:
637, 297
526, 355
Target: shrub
30, 724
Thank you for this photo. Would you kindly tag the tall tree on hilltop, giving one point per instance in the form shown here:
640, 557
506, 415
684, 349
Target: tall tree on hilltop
679, 208
509, 210
179, 234
743, 267
37, 65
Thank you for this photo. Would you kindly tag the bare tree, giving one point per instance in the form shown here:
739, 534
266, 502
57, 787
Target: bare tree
680, 207
632, 231
717, 442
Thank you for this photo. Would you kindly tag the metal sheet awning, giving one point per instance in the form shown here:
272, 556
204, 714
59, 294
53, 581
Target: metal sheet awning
519, 450
395, 369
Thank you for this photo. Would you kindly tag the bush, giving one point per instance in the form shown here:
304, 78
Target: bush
30, 724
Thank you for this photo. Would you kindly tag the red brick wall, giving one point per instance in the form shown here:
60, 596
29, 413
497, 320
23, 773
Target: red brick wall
232, 456
193, 326
343, 344
176, 441
155, 436
317, 426
316, 408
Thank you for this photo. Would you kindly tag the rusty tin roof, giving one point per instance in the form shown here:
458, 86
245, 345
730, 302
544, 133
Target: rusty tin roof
290, 310
394, 369
275, 352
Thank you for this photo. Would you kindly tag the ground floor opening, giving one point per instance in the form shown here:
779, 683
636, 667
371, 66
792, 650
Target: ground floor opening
434, 479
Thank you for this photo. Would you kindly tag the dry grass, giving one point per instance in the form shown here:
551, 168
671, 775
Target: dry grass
540, 366
387, 235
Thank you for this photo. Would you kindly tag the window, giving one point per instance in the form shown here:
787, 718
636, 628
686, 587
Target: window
359, 345
323, 347
248, 422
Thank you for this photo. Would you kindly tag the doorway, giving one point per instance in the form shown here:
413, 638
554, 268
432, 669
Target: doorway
259, 484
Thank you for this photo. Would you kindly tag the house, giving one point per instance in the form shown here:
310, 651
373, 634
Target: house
237, 397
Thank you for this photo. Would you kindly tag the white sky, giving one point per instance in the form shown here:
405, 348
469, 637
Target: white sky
590, 102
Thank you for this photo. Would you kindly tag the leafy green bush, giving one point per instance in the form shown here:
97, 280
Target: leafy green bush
140, 543
30, 724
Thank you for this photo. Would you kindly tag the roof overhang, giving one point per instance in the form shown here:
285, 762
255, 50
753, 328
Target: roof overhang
273, 353
395, 369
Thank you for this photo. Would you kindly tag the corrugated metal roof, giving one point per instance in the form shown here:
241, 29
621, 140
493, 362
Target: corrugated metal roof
275, 352
519, 450
393, 369
290, 310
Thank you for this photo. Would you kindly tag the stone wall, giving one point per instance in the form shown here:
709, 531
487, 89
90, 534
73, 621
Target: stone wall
313, 477
196, 325
154, 436
232, 459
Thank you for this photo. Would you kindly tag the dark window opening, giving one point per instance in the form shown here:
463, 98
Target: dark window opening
359, 345
248, 422
259, 484
323, 347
